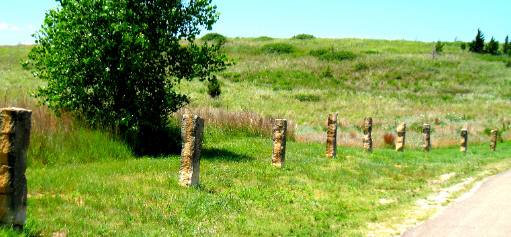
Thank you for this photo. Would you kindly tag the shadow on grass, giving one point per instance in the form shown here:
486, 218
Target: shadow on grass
223, 155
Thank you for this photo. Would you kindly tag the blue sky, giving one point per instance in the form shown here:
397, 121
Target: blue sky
431, 20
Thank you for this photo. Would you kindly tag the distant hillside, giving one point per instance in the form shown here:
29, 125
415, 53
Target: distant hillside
392, 81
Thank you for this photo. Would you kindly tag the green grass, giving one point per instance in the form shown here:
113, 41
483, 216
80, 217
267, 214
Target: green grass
87, 183
392, 81
241, 193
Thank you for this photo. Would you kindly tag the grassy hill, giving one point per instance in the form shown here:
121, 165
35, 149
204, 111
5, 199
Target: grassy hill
86, 182
392, 81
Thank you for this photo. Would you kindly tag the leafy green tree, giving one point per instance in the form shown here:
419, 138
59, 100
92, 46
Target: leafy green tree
477, 46
115, 63
492, 47
506, 48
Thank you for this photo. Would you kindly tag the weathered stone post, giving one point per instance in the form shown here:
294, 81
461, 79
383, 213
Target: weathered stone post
493, 139
401, 134
368, 139
331, 136
15, 126
279, 143
426, 134
464, 140
191, 133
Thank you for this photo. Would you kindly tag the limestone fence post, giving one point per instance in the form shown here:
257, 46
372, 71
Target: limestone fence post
279, 143
192, 129
401, 136
426, 134
15, 125
368, 138
464, 140
331, 137
493, 139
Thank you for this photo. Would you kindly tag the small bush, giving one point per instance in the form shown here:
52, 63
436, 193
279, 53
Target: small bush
492, 47
508, 64
303, 37
278, 48
307, 98
439, 47
215, 37
332, 55
463, 46
389, 139
264, 38
214, 88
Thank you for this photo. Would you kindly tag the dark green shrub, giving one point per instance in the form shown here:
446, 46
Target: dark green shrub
508, 64
307, 98
263, 38
439, 47
278, 48
463, 46
215, 38
361, 67
115, 63
332, 55
303, 37
492, 47
214, 88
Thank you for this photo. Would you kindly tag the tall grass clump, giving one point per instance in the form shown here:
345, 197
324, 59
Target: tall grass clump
278, 48
61, 139
303, 37
332, 55
244, 123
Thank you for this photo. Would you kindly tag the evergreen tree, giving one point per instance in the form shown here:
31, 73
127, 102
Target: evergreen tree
506, 49
477, 46
492, 47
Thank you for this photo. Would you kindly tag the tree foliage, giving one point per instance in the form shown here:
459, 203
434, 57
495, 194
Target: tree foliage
492, 47
506, 48
115, 62
477, 46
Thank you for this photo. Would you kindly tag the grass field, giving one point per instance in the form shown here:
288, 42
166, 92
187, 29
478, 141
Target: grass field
86, 183
392, 81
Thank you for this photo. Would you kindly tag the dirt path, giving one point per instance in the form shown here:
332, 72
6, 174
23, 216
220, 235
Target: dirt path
487, 212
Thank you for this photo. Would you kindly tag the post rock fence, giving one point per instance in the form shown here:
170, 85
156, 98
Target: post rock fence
192, 129
279, 143
331, 137
15, 124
